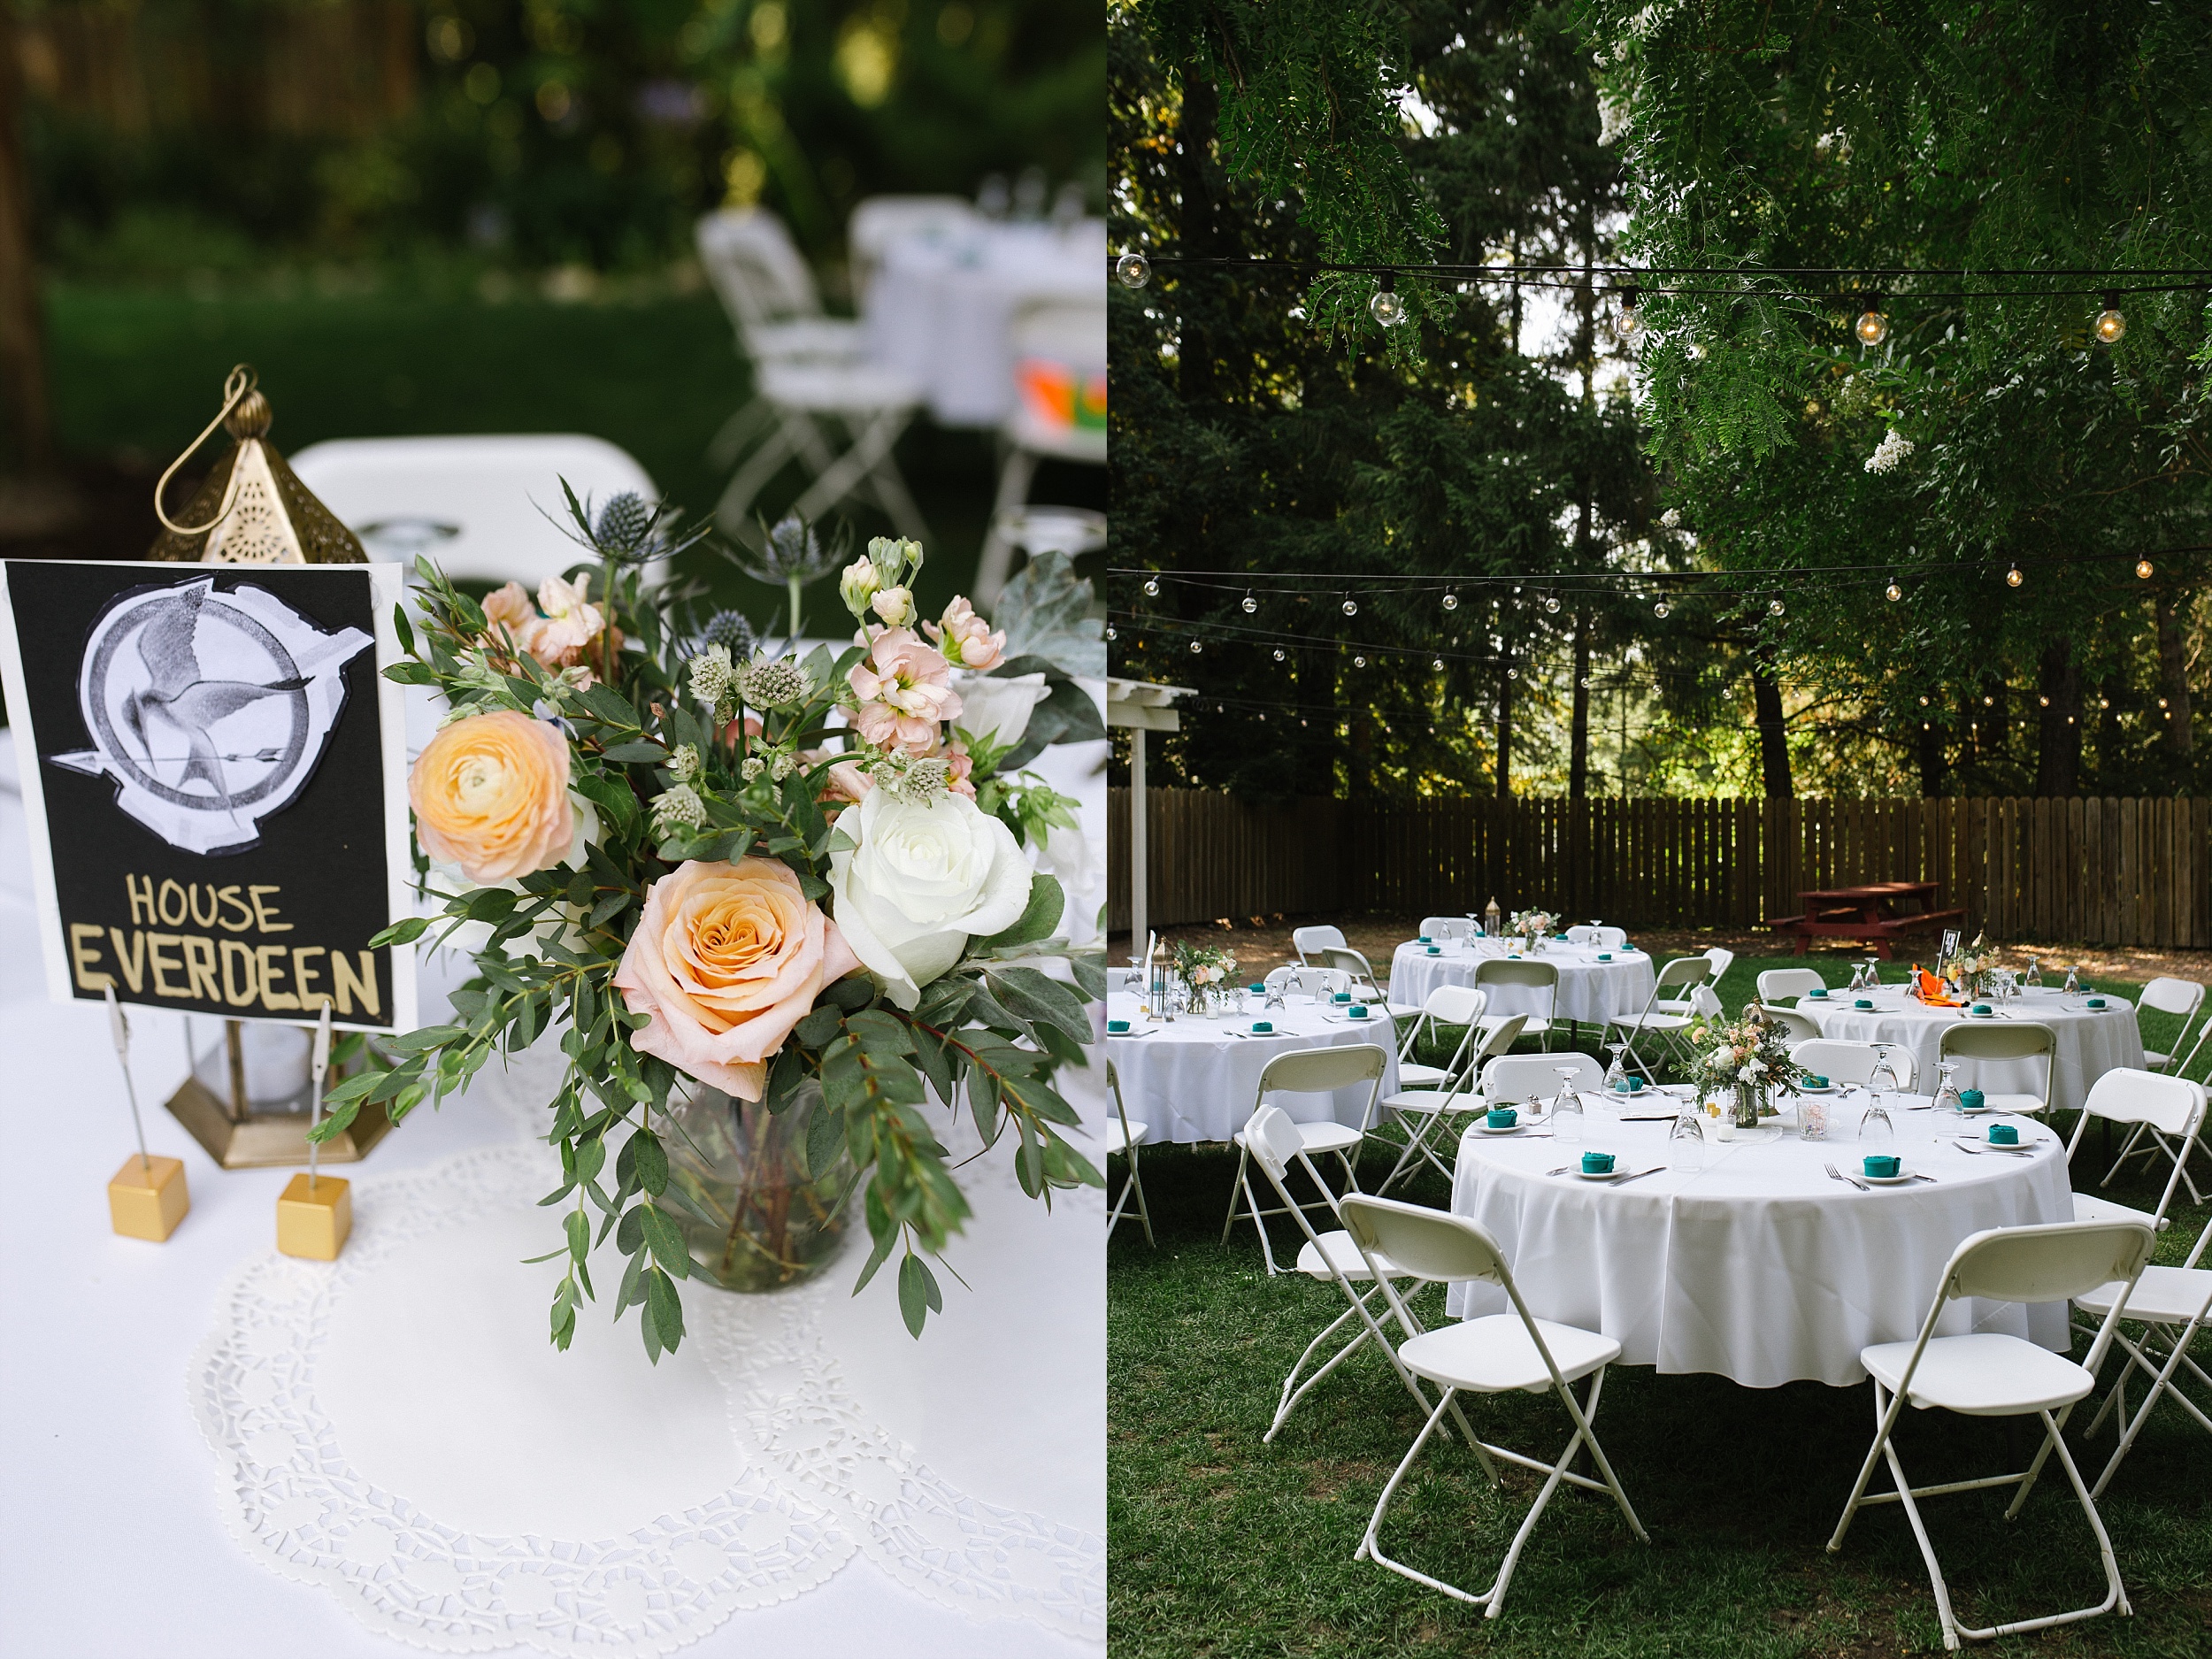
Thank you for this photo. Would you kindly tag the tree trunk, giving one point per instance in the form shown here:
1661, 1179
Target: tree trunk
1931, 767
1195, 231
2058, 747
22, 355
1505, 730
1774, 742
1579, 739
2173, 674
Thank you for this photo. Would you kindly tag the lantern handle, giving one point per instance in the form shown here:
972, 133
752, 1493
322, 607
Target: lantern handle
241, 380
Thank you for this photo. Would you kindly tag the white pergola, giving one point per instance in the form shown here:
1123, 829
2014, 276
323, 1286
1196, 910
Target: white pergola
1141, 707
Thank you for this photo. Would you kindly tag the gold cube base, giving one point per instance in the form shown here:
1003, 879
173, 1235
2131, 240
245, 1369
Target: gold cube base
148, 1198
314, 1221
273, 1142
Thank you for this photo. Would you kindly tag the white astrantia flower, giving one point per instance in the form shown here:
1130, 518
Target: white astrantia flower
919, 881
677, 804
710, 675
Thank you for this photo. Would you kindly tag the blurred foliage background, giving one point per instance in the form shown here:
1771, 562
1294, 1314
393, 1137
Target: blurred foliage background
424, 216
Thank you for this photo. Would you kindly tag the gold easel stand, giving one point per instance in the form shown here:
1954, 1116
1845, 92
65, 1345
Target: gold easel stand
238, 1138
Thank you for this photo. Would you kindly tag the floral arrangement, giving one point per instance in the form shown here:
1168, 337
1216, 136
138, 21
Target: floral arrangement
1199, 966
772, 904
1973, 969
1747, 1057
1534, 924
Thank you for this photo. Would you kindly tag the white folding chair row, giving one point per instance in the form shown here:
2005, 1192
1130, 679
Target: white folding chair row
1309, 1071
1503, 1353
1425, 1114
1125, 1137
1988, 1374
1776, 983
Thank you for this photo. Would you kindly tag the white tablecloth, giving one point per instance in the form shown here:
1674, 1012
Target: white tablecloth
943, 304
1192, 1079
1759, 1267
2091, 1042
1590, 991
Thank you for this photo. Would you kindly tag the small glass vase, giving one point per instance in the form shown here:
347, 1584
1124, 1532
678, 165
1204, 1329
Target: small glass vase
1744, 1105
754, 1214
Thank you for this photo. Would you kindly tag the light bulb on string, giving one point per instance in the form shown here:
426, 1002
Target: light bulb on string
2043, 702
1197, 647
1629, 321
2012, 578
1111, 634
1250, 605
1512, 673
1774, 607
1451, 601
1151, 588
1661, 609
2143, 569
1351, 606
1924, 703
2111, 324
1359, 662
1438, 664
1279, 653
1894, 592
1873, 327
1551, 604
1133, 270
1386, 308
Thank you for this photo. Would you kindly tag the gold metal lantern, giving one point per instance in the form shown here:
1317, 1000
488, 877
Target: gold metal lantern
252, 508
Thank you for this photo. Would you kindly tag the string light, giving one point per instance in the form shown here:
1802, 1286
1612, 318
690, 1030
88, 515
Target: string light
1151, 588
1451, 601
1386, 308
1512, 673
1630, 321
1438, 664
1661, 609
1774, 607
1359, 662
1197, 647
1351, 606
1552, 604
2044, 703
2012, 578
2111, 324
1872, 327
1924, 703
1111, 634
1279, 653
1250, 605
1894, 591
2143, 569
1133, 269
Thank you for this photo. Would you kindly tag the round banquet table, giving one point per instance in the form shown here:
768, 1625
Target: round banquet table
1758, 1266
1192, 1078
2091, 1042
1590, 991
942, 309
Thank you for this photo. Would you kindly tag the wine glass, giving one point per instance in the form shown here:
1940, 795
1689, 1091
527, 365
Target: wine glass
1883, 1079
1685, 1140
1615, 1073
1946, 1096
1566, 1111
1858, 979
1875, 1128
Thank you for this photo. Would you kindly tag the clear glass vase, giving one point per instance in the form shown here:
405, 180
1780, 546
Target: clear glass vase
1745, 1107
754, 1213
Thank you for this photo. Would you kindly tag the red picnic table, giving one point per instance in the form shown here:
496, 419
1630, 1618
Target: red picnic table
1873, 913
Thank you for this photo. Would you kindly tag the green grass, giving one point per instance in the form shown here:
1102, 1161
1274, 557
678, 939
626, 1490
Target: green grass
1224, 1545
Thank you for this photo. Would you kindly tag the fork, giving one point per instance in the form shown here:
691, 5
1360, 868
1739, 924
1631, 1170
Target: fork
1854, 1181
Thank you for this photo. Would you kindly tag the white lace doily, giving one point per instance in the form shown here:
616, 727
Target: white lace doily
377, 1424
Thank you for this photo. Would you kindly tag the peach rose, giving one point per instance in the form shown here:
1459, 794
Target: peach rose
905, 690
726, 959
490, 794
967, 639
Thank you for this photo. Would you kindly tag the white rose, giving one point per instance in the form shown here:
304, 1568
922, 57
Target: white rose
999, 708
919, 881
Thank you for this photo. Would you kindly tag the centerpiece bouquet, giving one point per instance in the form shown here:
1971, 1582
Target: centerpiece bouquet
1534, 926
1740, 1063
1972, 970
772, 903
1202, 967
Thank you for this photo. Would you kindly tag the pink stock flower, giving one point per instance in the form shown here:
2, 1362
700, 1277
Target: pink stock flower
848, 782
905, 691
960, 765
966, 639
510, 613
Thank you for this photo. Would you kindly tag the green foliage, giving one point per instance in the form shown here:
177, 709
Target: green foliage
995, 1025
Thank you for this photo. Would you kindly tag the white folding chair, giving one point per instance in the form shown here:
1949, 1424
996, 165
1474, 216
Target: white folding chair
484, 508
2005, 1040
1438, 927
1331, 1256
1794, 1024
1309, 941
1059, 412
1988, 1374
1842, 1062
1425, 1114
1511, 1079
1542, 977
2184, 997
878, 221
1596, 934
1310, 1072
1125, 1137
1346, 960
1500, 1353
1776, 983
2173, 1303
1723, 959
1655, 1022
2163, 1106
1448, 1005
1310, 981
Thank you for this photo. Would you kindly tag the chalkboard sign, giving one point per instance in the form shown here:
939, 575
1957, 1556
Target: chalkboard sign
214, 773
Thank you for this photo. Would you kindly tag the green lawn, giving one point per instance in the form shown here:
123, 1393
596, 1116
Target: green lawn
136, 373
1226, 1547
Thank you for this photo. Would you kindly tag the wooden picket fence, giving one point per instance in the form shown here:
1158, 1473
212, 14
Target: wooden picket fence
2100, 871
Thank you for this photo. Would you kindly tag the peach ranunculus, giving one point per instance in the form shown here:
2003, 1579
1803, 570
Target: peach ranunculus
490, 794
510, 612
726, 959
905, 691
966, 639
